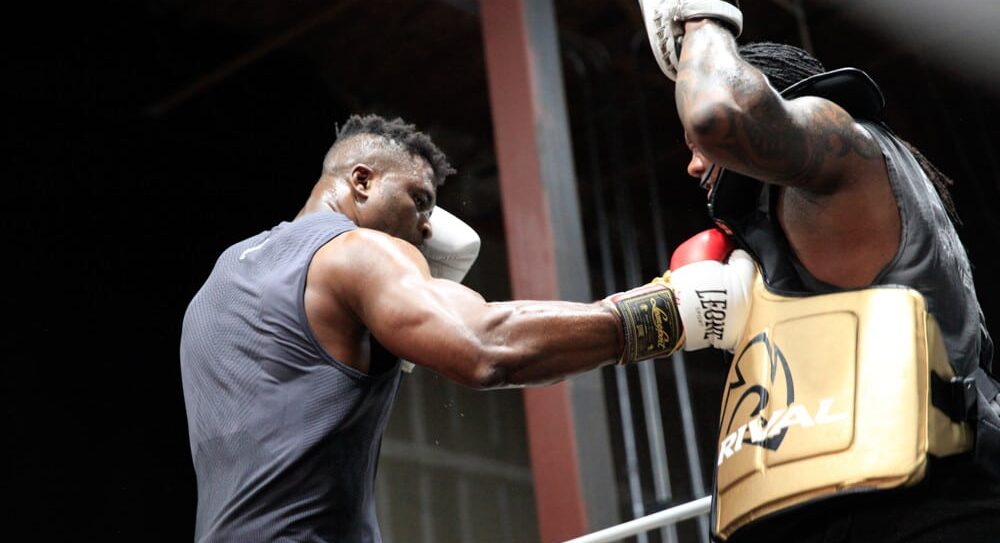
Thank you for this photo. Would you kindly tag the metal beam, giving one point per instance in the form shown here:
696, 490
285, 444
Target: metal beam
546, 253
468, 6
211, 79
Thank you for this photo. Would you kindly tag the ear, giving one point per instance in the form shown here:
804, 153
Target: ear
361, 180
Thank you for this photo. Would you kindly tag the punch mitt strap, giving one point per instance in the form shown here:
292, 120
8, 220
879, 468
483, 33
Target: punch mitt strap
664, 21
650, 322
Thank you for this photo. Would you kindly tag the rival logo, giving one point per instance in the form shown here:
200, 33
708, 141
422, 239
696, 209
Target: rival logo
759, 430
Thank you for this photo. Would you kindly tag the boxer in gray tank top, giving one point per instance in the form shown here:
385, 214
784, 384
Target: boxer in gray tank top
286, 407
284, 437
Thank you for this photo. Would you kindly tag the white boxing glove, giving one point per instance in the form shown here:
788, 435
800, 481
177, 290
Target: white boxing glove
452, 248
665, 20
713, 299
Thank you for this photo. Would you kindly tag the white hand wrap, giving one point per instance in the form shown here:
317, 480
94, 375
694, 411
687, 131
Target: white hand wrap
665, 25
452, 248
713, 300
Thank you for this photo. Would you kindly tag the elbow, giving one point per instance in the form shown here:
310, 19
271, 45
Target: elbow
484, 377
709, 123
490, 376
498, 366
488, 371
503, 358
492, 358
715, 123
512, 370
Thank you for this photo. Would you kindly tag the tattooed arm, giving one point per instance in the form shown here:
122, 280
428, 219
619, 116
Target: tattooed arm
738, 121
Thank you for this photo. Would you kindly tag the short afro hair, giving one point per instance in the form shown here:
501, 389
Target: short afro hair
398, 131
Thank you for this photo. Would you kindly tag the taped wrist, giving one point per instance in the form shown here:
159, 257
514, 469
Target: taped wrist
650, 321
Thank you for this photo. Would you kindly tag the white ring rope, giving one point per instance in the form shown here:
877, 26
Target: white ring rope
673, 515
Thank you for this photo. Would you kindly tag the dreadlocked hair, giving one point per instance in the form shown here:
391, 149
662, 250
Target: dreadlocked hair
398, 131
942, 183
784, 65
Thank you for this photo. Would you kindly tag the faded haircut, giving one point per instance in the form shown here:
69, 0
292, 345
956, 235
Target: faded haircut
784, 65
401, 133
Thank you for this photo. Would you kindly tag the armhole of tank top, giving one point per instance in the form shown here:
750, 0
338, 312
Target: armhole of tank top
884, 139
300, 302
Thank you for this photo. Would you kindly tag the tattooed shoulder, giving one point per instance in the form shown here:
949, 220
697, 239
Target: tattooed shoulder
800, 151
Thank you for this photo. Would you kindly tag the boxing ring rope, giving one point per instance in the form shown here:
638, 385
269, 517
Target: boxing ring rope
659, 519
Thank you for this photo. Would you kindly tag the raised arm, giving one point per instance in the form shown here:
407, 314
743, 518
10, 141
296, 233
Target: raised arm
739, 122
451, 329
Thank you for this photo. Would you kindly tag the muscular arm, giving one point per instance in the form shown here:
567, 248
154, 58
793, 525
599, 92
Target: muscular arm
384, 282
741, 123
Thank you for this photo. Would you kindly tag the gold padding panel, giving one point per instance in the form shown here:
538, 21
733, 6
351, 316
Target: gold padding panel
829, 393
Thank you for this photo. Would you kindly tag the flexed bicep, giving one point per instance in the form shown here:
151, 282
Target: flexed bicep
384, 285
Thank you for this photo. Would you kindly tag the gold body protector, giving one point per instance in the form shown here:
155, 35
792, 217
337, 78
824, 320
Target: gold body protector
829, 394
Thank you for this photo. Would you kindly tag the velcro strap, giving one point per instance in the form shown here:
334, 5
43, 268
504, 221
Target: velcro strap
955, 397
650, 321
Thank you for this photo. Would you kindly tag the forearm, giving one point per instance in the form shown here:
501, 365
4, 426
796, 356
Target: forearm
726, 105
535, 343
703, 302
452, 330
710, 73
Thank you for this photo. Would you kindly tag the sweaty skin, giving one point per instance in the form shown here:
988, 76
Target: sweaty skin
835, 204
375, 280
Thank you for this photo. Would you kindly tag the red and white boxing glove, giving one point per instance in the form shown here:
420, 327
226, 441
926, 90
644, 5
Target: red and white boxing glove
702, 301
712, 283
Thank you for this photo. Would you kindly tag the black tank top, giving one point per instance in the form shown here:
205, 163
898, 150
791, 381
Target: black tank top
930, 259
285, 439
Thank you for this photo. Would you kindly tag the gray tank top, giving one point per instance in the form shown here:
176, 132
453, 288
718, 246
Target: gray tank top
930, 259
284, 438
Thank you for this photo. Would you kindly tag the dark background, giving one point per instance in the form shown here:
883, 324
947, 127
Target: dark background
125, 187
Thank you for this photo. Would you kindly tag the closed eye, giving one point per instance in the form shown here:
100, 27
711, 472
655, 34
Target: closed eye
422, 201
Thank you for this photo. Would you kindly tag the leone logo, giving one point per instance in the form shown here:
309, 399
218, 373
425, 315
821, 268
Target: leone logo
767, 391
